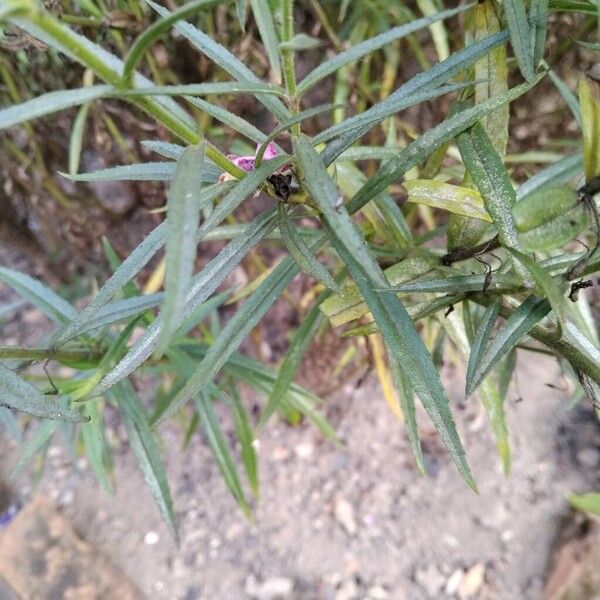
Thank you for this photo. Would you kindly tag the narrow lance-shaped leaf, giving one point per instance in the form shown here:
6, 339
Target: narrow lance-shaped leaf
396, 325
220, 449
517, 326
489, 175
520, 36
300, 251
246, 438
130, 267
50, 103
183, 212
17, 393
266, 28
551, 287
145, 448
481, 339
299, 343
77, 133
359, 50
407, 404
538, 18
43, 298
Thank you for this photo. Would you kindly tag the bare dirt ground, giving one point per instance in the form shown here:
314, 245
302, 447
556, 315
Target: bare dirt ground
355, 522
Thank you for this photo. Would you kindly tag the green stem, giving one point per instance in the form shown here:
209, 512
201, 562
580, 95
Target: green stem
6, 352
287, 55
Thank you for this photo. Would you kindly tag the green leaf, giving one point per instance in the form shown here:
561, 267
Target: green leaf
144, 446
10, 424
220, 450
245, 436
553, 290
398, 330
589, 503
301, 41
240, 9
359, 50
266, 28
202, 89
19, 394
589, 102
453, 198
183, 210
224, 59
386, 108
492, 70
520, 36
43, 298
96, 449
300, 251
152, 171
150, 34
559, 172
568, 96
40, 439
482, 338
517, 326
407, 404
50, 103
77, 133
489, 175
299, 344
203, 285
423, 146
538, 18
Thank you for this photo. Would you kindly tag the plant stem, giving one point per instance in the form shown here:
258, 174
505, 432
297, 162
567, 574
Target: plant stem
7, 352
287, 55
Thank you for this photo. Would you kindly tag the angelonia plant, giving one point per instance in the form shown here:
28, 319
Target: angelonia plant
469, 261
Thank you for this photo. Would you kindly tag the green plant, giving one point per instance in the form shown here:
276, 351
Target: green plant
389, 274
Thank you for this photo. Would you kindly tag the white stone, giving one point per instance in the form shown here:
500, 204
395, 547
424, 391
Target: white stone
151, 538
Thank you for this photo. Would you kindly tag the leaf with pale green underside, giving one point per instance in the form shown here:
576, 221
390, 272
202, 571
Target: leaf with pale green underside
492, 70
481, 339
516, 327
183, 214
300, 251
266, 28
144, 446
299, 343
245, 437
20, 395
538, 19
553, 289
452, 198
520, 36
42, 297
96, 449
76, 138
220, 449
359, 50
240, 10
396, 325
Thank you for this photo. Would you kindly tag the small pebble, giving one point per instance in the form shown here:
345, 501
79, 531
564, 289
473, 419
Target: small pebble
151, 538
431, 580
344, 514
472, 581
304, 450
454, 581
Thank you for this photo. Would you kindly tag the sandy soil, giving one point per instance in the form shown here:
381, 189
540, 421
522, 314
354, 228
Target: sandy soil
351, 523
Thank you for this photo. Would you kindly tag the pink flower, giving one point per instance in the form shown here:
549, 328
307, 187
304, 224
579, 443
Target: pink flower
247, 162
